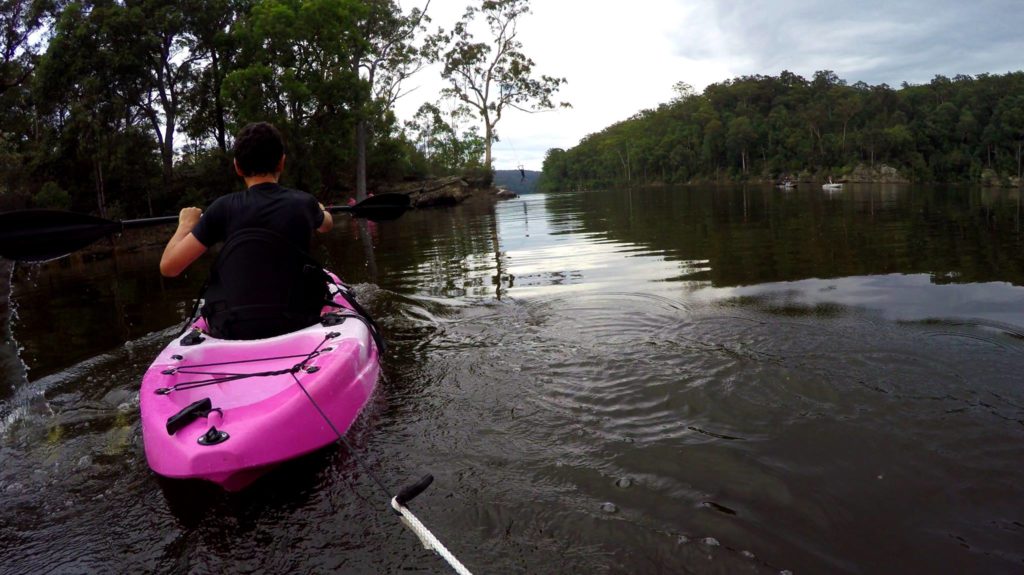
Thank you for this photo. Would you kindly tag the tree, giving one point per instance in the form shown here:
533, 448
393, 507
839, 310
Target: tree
295, 70
384, 59
740, 136
445, 147
169, 58
493, 76
91, 90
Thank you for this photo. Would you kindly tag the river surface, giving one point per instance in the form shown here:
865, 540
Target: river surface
651, 381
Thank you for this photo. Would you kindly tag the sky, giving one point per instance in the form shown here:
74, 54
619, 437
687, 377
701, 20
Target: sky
623, 57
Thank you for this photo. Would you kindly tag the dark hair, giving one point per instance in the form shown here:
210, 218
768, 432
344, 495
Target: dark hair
258, 149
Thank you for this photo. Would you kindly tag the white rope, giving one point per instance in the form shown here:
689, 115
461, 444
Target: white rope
427, 538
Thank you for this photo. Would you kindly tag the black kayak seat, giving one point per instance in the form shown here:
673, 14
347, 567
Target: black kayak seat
262, 286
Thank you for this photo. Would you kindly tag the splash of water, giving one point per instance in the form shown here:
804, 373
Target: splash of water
13, 372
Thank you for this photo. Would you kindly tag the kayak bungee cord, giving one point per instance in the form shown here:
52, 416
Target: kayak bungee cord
398, 502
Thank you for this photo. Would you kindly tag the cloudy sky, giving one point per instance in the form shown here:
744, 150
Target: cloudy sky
621, 57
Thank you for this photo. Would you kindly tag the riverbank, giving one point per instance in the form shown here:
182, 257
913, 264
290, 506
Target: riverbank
431, 193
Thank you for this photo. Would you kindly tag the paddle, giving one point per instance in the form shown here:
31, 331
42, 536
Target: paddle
40, 235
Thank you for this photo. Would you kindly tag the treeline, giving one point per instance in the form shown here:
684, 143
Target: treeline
964, 129
128, 107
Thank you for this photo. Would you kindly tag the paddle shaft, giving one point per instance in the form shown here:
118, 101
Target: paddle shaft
146, 222
39, 235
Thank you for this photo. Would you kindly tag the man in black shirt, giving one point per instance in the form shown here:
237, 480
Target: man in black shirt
262, 279
259, 160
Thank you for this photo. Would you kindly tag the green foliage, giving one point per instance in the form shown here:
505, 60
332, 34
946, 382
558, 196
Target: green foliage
53, 197
100, 109
445, 146
764, 127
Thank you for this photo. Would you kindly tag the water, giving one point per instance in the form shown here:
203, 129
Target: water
655, 381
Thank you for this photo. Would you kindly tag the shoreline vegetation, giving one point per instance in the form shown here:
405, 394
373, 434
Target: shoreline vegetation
766, 129
128, 110
427, 193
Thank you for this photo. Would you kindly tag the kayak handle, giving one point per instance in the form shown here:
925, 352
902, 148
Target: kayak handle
409, 493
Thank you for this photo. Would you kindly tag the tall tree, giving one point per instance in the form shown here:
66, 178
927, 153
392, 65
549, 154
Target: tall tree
166, 48
385, 58
295, 69
494, 75
91, 90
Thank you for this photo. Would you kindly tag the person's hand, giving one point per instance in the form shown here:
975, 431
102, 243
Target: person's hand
188, 218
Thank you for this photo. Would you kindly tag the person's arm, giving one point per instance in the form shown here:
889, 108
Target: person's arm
183, 247
328, 222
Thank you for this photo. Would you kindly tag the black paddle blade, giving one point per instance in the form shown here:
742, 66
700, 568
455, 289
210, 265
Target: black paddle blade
40, 235
379, 208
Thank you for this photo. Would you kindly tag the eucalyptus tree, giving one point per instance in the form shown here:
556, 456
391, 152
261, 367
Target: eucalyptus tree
89, 91
384, 58
295, 69
440, 139
493, 75
21, 25
209, 24
20, 20
165, 45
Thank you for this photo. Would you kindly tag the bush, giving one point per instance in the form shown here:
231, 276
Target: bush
51, 196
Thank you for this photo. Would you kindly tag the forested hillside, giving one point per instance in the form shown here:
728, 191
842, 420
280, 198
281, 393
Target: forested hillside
961, 129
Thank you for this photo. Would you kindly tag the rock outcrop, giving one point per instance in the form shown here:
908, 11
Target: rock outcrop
447, 191
435, 192
879, 174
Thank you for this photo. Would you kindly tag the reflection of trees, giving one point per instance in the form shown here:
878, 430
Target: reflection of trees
95, 303
758, 235
438, 252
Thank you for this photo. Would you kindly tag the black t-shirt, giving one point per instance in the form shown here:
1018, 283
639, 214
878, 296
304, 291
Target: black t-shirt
291, 213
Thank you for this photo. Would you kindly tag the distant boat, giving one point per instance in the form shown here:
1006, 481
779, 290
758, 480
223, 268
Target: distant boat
830, 186
786, 185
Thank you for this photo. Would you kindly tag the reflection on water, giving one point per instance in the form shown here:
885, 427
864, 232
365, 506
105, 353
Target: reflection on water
691, 380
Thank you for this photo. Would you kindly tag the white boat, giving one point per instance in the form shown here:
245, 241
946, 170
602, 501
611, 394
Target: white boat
830, 186
786, 185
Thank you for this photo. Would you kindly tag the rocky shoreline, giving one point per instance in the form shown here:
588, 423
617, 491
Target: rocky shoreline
883, 174
442, 192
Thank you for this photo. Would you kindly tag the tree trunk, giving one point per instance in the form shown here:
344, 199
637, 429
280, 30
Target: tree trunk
1018, 159
361, 139
101, 201
167, 153
488, 139
218, 104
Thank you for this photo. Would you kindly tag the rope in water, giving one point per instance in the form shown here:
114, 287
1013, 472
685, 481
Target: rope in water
428, 539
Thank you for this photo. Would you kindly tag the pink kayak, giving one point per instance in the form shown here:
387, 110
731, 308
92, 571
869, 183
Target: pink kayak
228, 411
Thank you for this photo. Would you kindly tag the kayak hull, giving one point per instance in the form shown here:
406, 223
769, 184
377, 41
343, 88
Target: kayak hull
260, 414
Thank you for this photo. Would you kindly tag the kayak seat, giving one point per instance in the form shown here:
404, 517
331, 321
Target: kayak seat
262, 286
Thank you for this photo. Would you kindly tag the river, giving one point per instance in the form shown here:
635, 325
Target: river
709, 380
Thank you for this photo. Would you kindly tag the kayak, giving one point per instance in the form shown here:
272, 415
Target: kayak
228, 411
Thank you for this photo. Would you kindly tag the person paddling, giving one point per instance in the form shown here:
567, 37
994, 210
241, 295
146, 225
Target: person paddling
263, 283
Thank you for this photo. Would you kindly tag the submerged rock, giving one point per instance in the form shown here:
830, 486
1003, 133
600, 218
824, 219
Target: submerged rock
504, 193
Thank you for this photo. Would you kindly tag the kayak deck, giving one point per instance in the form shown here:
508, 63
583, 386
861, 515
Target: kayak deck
227, 411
